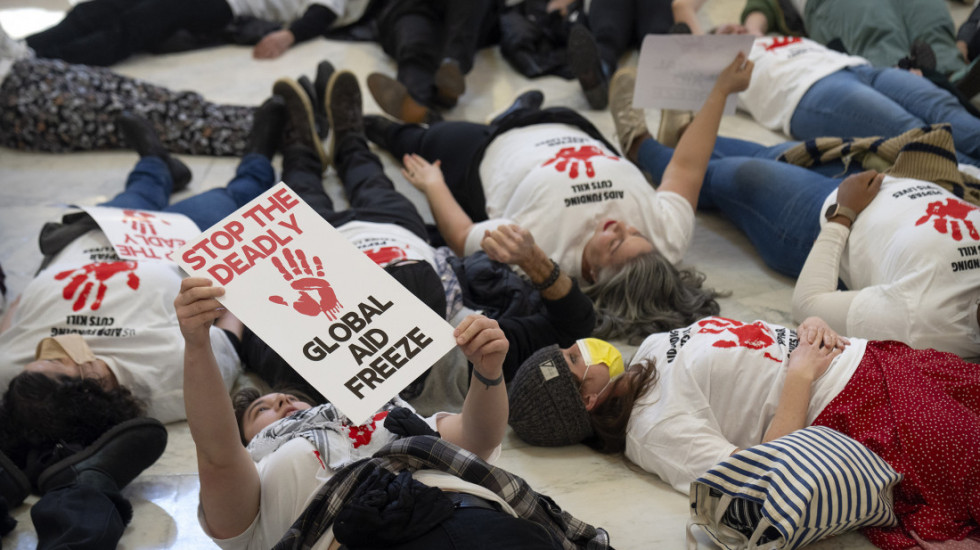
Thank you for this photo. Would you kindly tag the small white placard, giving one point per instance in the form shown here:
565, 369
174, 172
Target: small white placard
346, 326
677, 71
142, 235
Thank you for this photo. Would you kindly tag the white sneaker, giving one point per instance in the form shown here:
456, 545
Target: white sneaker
672, 125
630, 123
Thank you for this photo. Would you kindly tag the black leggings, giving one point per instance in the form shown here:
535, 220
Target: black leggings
103, 32
619, 25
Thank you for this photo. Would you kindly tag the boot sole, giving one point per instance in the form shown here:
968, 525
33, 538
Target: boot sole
393, 98
450, 84
331, 86
283, 87
587, 68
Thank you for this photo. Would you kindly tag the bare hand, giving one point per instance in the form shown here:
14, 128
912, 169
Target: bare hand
858, 190
273, 44
510, 244
730, 28
809, 327
421, 173
736, 76
483, 344
811, 358
197, 308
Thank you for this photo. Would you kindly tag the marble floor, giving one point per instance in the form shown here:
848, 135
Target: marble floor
638, 509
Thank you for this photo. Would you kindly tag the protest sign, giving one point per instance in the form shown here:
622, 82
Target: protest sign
345, 325
678, 71
141, 235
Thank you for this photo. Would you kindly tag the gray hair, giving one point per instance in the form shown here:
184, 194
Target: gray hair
647, 295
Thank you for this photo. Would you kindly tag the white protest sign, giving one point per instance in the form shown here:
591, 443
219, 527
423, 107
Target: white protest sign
345, 325
678, 71
141, 235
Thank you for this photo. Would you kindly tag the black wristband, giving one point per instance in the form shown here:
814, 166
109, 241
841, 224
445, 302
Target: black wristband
486, 381
552, 278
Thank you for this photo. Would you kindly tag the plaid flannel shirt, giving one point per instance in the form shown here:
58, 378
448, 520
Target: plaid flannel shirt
428, 452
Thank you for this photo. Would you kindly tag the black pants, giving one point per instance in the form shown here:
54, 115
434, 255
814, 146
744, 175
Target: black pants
78, 517
619, 25
103, 32
372, 198
480, 529
419, 34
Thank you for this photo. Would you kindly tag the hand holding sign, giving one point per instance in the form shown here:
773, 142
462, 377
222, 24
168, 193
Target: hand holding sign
483, 344
197, 308
325, 301
736, 76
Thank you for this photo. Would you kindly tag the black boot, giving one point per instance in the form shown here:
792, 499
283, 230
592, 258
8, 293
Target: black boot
450, 83
344, 107
530, 100
267, 127
139, 134
378, 130
586, 64
300, 126
113, 460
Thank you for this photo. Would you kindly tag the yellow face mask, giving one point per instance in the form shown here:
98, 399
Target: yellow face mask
595, 351
72, 346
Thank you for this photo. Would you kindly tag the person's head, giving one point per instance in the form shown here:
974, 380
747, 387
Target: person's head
44, 410
255, 411
555, 402
69, 355
648, 295
611, 246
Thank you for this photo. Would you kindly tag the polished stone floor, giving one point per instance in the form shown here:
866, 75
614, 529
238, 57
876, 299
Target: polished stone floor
637, 508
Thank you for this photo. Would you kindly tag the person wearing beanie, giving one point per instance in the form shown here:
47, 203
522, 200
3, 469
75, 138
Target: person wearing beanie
695, 395
901, 235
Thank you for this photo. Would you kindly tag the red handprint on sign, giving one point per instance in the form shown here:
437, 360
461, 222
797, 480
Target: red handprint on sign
754, 336
949, 215
324, 301
86, 278
385, 255
142, 221
570, 158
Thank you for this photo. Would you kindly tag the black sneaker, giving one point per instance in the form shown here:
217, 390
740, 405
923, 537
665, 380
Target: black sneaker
300, 125
344, 107
378, 130
584, 60
116, 457
319, 116
14, 486
530, 100
139, 134
267, 125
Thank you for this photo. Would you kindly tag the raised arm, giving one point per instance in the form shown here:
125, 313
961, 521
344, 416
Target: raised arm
480, 427
230, 486
816, 293
685, 172
453, 223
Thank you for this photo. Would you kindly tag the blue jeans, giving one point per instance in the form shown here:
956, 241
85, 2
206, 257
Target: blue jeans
776, 205
866, 101
149, 186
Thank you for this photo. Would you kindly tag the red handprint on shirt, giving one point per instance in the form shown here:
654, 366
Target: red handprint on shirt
754, 336
142, 221
385, 255
325, 300
86, 278
361, 435
570, 158
949, 215
783, 41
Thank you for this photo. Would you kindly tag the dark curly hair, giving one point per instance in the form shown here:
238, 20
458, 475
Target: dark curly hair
37, 412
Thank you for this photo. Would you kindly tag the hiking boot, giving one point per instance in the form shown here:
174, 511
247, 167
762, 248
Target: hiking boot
393, 98
267, 125
112, 461
344, 107
140, 136
300, 126
631, 123
586, 65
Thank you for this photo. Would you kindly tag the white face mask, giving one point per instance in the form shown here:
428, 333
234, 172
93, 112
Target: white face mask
585, 376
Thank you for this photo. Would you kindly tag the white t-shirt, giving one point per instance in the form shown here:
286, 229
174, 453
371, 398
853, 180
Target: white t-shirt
914, 254
292, 475
386, 242
125, 312
719, 384
785, 68
287, 11
558, 182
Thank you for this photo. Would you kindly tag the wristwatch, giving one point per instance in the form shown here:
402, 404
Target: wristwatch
837, 210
